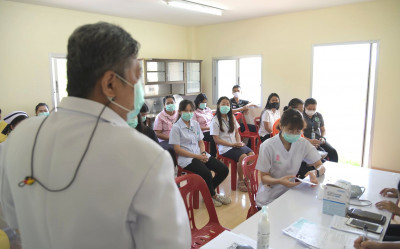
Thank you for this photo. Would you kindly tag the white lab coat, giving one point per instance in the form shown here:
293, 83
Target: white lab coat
124, 195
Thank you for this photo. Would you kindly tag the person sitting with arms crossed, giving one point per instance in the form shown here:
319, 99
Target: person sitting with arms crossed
224, 129
163, 124
187, 138
241, 105
280, 158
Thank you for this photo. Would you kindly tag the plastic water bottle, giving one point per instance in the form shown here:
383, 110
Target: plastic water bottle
263, 230
312, 133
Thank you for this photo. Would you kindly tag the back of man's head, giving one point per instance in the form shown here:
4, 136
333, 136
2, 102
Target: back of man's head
94, 49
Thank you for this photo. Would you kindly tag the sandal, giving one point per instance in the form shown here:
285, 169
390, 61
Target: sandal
242, 186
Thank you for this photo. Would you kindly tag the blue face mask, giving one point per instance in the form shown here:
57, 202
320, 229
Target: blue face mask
187, 116
138, 99
143, 118
43, 114
224, 109
290, 138
133, 122
170, 107
203, 106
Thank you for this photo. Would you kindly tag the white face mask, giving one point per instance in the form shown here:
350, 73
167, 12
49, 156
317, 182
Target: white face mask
310, 112
237, 95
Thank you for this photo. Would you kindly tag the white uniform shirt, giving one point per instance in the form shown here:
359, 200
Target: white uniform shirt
278, 162
124, 195
225, 135
268, 116
187, 138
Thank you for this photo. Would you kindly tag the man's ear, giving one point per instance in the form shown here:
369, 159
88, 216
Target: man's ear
108, 84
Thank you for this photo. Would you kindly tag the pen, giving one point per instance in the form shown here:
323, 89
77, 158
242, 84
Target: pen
365, 233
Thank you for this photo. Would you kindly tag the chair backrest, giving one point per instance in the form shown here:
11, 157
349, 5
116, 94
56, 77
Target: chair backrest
240, 119
195, 183
275, 129
257, 121
251, 177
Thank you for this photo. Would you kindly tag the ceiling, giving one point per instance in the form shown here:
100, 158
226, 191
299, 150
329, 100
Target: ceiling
158, 11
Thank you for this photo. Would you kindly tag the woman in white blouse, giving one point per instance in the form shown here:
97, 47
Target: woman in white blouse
269, 116
224, 129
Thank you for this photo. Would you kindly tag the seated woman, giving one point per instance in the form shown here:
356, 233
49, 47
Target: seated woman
13, 119
163, 124
316, 126
187, 138
280, 158
138, 124
393, 231
42, 109
203, 115
268, 116
294, 103
224, 129
143, 114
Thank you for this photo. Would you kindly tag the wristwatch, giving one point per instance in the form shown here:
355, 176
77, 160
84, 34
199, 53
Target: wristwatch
317, 172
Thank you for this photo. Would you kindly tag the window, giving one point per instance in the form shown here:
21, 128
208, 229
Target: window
58, 77
344, 86
244, 71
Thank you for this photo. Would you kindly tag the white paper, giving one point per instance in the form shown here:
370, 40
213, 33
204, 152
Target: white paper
325, 238
306, 181
294, 228
339, 223
229, 240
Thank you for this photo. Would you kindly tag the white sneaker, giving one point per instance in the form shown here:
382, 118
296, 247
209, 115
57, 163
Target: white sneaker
223, 199
216, 203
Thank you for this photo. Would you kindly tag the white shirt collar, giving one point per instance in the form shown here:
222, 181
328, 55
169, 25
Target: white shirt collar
92, 108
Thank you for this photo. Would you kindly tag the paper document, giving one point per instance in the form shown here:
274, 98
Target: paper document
306, 181
316, 236
339, 223
229, 240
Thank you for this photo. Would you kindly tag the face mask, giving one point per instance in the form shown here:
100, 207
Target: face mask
310, 112
43, 114
275, 105
187, 116
138, 101
170, 107
237, 95
143, 118
290, 138
224, 109
203, 105
133, 122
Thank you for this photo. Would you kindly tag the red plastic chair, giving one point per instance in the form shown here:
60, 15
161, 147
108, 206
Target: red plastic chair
196, 200
207, 146
213, 228
233, 164
251, 178
253, 136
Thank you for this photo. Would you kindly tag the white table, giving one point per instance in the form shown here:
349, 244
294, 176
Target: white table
302, 201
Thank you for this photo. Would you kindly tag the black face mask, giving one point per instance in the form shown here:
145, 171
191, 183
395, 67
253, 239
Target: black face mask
275, 105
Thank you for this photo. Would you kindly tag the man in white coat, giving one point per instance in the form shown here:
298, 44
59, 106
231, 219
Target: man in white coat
82, 177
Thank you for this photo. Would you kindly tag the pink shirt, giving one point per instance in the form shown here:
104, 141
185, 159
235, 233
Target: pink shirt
164, 123
204, 117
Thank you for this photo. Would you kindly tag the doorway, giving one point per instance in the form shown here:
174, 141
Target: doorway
343, 83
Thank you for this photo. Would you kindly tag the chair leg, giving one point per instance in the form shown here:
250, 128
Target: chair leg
196, 200
233, 176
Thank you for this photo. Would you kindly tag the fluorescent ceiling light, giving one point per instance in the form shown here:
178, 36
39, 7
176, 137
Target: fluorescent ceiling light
195, 6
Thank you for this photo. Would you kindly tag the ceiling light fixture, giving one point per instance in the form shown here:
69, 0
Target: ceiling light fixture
194, 6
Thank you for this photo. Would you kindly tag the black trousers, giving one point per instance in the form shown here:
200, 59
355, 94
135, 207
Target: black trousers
392, 233
210, 139
170, 149
332, 154
204, 170
265, 137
